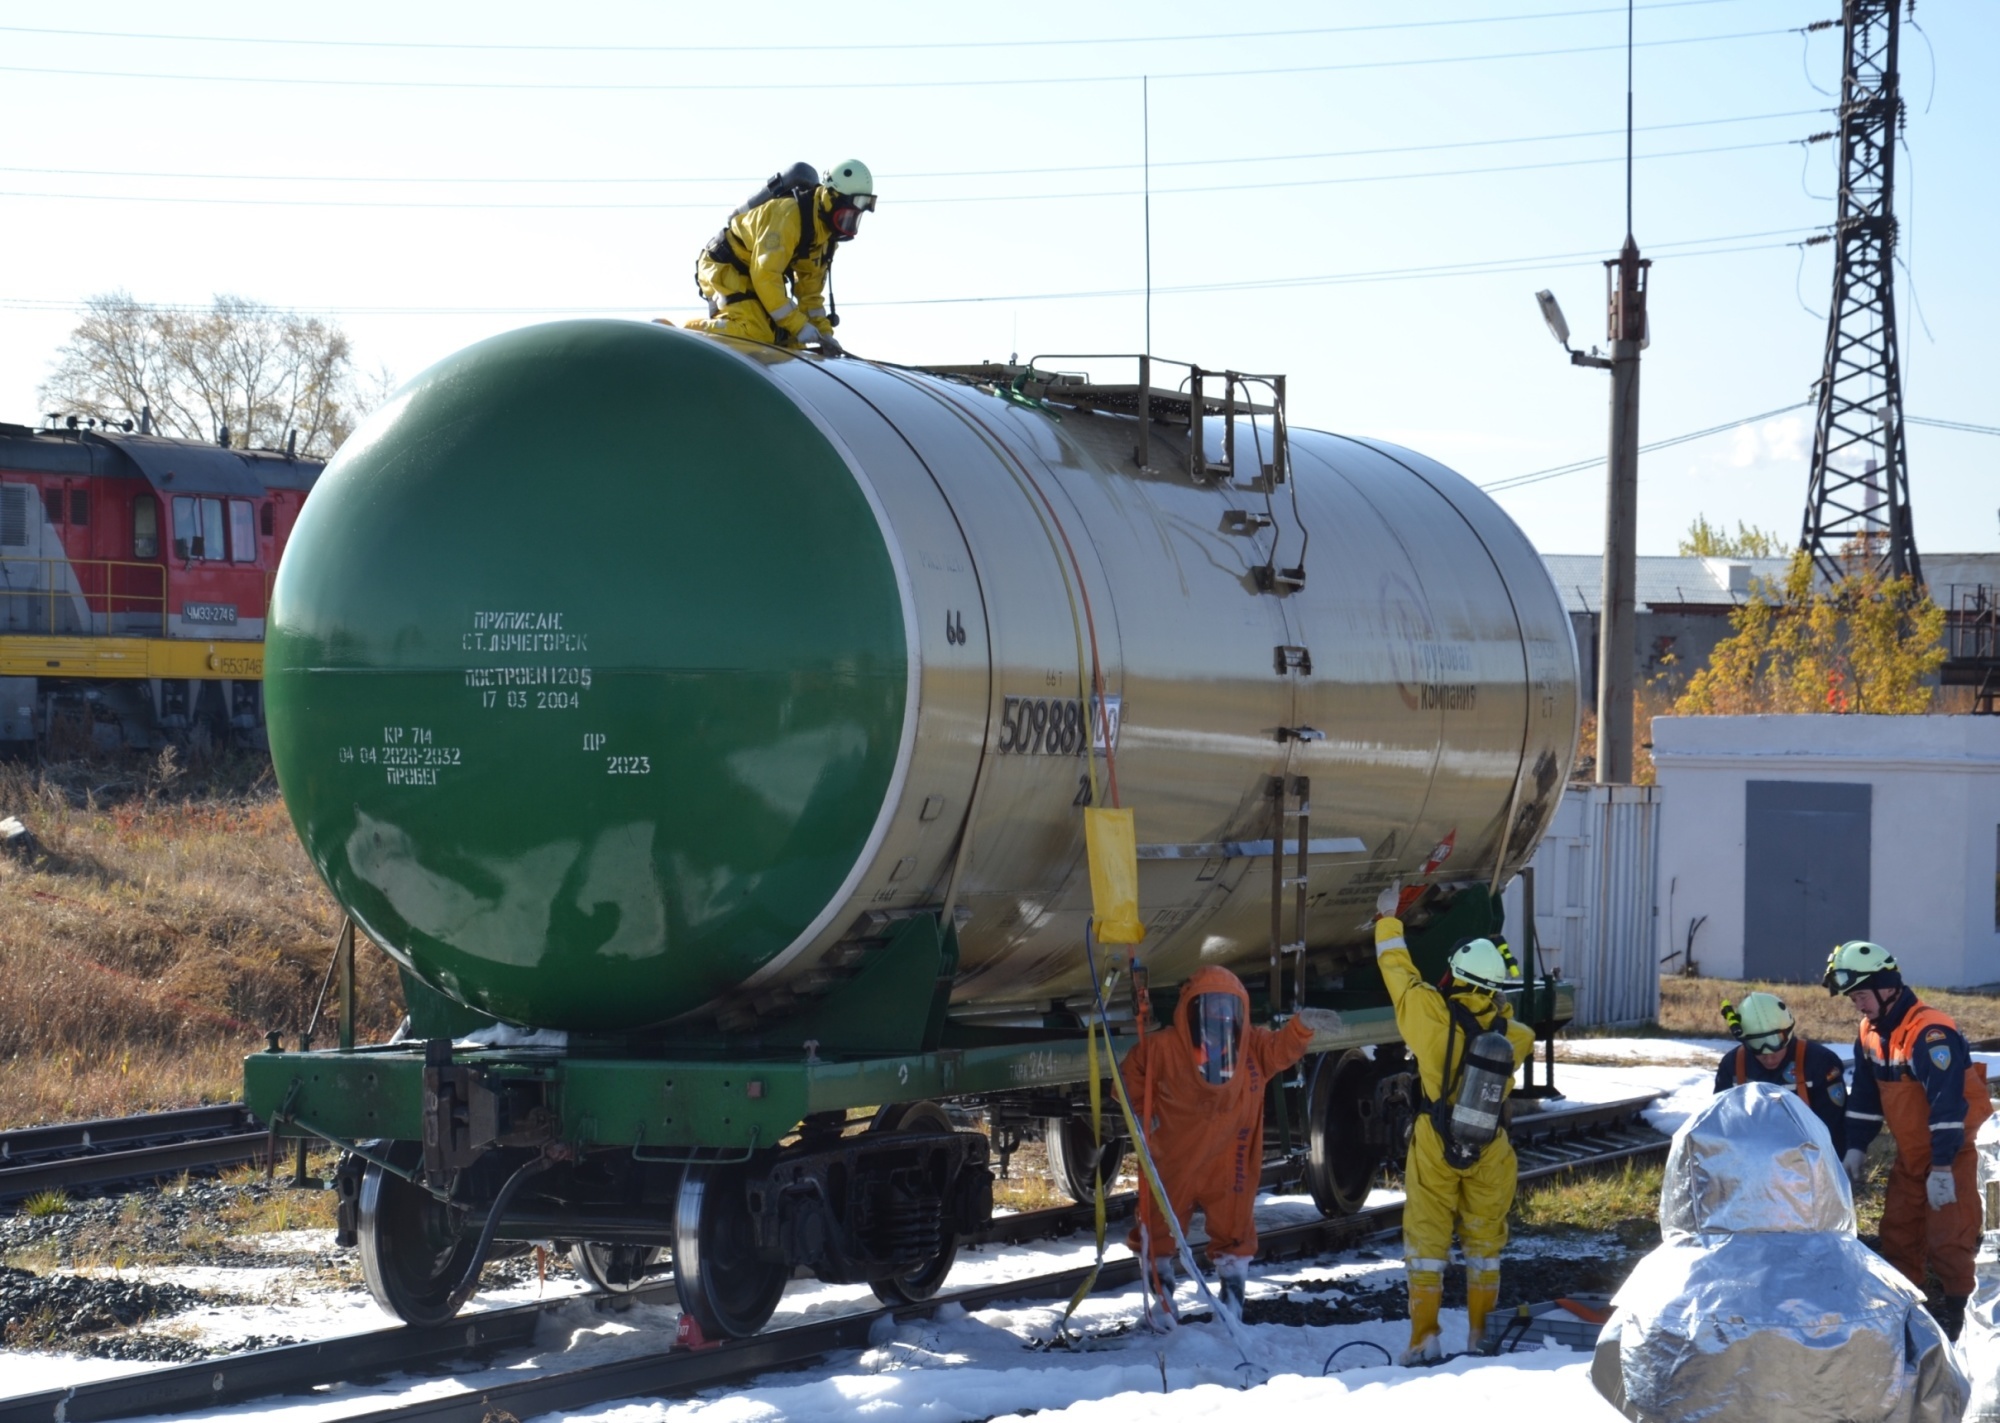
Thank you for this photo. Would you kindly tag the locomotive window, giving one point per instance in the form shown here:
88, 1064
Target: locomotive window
267, 518
145, 527
79, 506
13, 515
213, 538
242, 531
52, 501
198, 528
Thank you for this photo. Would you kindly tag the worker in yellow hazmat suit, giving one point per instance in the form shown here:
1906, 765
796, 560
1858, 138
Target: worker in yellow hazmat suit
765, 274
1451, 1176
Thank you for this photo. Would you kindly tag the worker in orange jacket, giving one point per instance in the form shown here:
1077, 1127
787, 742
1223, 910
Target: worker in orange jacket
1199, 1089
1913, 1070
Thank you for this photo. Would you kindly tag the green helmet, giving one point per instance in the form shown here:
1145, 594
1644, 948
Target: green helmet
1761, 1015
1860, 964
1486, 964
851, 179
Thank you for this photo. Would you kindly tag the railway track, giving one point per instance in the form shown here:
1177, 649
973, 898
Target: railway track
120, 1151
1547, 1143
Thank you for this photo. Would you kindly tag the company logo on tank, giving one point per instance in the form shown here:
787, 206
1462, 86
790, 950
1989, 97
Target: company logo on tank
1432, 673
1438, 676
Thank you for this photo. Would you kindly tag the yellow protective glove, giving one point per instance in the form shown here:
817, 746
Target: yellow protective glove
1388, 933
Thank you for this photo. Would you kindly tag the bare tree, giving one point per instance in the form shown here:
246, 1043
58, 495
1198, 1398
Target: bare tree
241, 372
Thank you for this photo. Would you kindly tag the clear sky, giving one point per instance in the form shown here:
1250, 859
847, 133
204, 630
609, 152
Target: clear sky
1363, 197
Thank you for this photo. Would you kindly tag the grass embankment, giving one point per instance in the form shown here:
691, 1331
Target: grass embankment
1692, 1007
169, 919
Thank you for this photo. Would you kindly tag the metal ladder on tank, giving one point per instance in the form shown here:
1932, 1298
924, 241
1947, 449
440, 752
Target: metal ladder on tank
1272, 471
1291, 806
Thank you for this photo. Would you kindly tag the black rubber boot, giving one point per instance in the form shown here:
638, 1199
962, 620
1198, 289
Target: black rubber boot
1950, 1315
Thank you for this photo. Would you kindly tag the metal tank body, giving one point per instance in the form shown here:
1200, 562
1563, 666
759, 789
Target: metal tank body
620, 675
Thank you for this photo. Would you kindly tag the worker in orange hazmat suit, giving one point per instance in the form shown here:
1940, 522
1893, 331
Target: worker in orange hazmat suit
1914, 1073
765, 274
1461, 1169
1199, 1089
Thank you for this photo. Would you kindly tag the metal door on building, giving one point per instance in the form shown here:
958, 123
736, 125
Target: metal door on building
1805, 875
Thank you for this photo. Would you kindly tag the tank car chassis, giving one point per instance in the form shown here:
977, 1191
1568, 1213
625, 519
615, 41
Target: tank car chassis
829, 1145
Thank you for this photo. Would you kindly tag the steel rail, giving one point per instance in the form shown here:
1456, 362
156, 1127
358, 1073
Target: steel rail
1548, 1143
681, 1371
117, 1150
32, 1143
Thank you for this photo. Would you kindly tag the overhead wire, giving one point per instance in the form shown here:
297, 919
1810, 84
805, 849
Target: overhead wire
295, 81
1456, 269
779, 46
626, 180
1960, 425
172, 199
1578, 466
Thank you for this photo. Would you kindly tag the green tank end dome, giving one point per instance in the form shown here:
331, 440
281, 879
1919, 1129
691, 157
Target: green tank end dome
588, 674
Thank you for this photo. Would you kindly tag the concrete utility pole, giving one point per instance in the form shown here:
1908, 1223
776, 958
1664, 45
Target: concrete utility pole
1618, 623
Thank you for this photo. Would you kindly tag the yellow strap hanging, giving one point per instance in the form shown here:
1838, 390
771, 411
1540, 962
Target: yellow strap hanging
1113, 845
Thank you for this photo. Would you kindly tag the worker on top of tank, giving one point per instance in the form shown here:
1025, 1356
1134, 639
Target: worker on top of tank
765, 274
1460, 1169
1199, 1089
1913, 1070
1773, 1051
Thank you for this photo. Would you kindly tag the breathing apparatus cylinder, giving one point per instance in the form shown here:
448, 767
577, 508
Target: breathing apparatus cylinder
1484, 1073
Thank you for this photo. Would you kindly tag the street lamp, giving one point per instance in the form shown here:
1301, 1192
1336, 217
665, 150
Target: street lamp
1552, 313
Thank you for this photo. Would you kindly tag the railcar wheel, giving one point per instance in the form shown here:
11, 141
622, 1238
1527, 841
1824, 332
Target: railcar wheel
730, 1292
615, 1269
1070, 1150
919, 1282
414, 1250
1340, 1161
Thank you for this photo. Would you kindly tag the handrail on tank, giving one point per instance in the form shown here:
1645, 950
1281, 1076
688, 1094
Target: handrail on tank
82, 567
1198, 405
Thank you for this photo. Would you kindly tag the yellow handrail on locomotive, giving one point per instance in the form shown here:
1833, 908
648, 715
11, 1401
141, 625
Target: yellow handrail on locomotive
47, 649
48, 587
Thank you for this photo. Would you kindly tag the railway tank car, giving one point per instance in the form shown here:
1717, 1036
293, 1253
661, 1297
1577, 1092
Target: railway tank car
703, 729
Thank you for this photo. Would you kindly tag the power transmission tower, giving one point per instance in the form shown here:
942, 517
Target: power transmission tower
1858, 501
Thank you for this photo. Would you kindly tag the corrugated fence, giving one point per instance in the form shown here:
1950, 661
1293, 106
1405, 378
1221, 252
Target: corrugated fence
1596, 873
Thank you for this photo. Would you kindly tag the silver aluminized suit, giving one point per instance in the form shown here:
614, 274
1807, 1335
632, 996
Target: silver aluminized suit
1760, 1302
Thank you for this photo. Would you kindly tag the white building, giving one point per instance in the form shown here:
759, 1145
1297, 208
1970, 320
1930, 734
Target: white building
1781, 836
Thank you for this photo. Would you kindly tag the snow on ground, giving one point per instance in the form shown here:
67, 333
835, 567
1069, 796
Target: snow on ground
997, 1362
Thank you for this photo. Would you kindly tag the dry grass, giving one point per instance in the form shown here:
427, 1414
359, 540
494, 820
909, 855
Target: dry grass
170, 919
1624, 1201
1693, 1007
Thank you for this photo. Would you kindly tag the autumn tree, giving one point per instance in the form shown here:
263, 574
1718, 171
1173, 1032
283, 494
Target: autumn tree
1706, 540
1865, 644
240, 371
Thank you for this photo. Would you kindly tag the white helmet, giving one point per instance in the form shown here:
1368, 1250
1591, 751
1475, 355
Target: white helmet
1761, 1021
1859, 964
851, 179
1486, 964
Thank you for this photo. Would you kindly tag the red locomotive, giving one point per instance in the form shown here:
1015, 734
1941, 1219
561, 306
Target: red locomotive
135, 572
